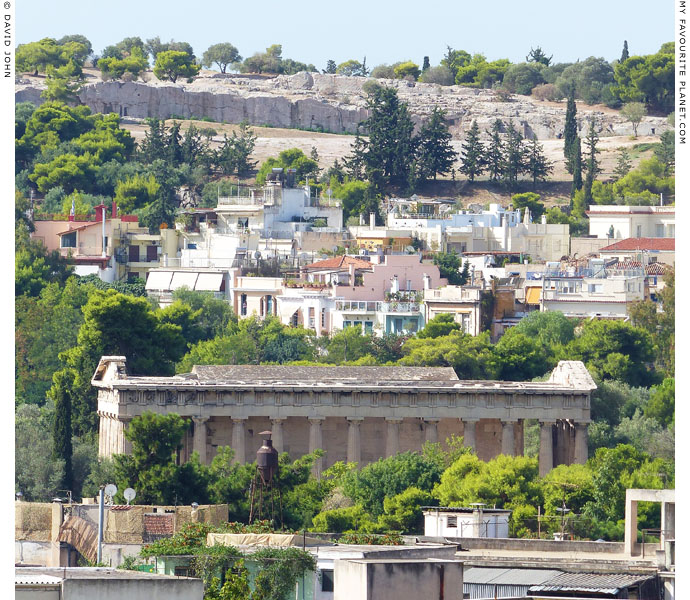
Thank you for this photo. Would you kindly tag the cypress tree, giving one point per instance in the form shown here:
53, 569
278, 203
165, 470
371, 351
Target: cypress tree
570, 130
591, 165
514, 160
434, 150
623, 164
62, 428
625, 54
494, 155
537, 165
577, 169
473, 161
425, 64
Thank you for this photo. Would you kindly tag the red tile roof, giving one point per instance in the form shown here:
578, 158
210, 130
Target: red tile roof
665, 244
340, 262
159, 524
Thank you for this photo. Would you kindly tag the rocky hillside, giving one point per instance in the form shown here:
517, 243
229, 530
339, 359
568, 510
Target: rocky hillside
330, 103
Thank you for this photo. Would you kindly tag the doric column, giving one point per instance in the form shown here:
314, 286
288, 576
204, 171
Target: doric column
277, 431
199, 444
508, 437
125, 444
520, 437
431, 430
238, 443
393, 436
545, 447
581, 443
354, 450
470, 433
316, 441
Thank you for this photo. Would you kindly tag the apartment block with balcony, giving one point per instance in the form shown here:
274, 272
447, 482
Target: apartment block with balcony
621, 222
463, 302
595, 291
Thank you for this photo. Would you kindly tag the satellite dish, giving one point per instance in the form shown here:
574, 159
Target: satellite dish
110, 490
129, 495
409, 249
257, 254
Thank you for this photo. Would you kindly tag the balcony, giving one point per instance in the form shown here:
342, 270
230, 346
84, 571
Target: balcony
369, 306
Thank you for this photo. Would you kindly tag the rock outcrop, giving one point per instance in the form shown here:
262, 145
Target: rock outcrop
331, 103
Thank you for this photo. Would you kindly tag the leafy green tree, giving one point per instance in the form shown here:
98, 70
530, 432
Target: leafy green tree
470, 356
214, 315
537, 165
135, 192
649, 176
62, 428
440, 75
234, 349
473, 159
455, 59
523, 77
172, 64
529, 200
351, 68
133, 64
551, 329
662, 404
407, 69
570, 131
35, 267
647, 79
331, 67
495, 161
387, 477
590, 80
518, 357
614, 350
623, 164
37, 56
221, 54
440, 326
403, 512
434, 150
63, 83
80, 39
348, 345
162, 209
357, 198
569, 484
36, 474
292, 158
538, 56
634, 112
448, 264
504, 481
340, 520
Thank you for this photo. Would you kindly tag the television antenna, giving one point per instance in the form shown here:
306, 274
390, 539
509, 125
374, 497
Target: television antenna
129, 495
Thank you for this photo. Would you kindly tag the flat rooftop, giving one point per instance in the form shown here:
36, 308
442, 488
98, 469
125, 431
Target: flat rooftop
44, 575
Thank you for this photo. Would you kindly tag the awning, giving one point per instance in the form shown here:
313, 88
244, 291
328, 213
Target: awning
209, 282
158, 280
533, 295
182, 279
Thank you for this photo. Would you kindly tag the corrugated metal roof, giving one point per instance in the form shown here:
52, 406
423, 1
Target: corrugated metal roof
37, 579
523, 577
609, 583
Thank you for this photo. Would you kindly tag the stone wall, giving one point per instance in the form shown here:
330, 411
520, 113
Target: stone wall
331, 103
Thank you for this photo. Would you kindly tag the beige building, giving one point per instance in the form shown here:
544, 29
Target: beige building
357, 414
621, 222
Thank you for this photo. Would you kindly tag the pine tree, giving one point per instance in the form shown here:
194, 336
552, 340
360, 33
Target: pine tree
570, 130
173, 146
153, 146
354, 164
623, 164
625, 54
577, 168
330, 67
514, 158
537, 164
434, 150
494, 154
591, 165
473, 161
62, 428
426, 64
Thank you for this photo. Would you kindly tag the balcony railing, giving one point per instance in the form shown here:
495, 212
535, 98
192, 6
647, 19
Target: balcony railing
369, 306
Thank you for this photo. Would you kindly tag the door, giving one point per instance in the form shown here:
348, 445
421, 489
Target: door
151, 253
134, 254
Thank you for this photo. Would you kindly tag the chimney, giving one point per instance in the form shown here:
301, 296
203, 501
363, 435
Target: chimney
372, 220
113, 214
543, 219
100, 212
427, 281
351, 269
361, 219
395, 286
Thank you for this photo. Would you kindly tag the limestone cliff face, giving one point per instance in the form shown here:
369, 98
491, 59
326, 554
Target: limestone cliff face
331, 103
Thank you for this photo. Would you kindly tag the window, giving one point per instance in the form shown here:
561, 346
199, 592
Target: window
243, 305
323, 317
347, 324
452, 522
639, 231
671, 231
327, 580
596, 288
368, 327
181, 571
660, 230
358, 324
69, 240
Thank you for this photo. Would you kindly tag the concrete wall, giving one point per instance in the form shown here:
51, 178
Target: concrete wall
133, 589
31, 553
398, 580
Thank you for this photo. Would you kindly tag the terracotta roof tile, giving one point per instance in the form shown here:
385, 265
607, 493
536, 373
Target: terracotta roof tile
667, 244
158, 524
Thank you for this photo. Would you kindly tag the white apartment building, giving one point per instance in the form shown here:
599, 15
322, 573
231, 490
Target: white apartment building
621, 222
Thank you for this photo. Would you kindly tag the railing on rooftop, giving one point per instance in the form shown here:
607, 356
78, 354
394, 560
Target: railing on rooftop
580, 272
363, 306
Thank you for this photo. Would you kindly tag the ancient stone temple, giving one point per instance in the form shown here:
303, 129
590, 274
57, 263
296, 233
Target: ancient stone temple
358, 414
